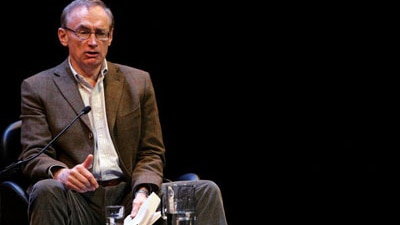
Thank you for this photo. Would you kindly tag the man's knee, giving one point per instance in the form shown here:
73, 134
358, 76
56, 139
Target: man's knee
46, 187
209, 186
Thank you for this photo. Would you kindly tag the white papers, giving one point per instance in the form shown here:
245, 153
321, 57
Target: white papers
147, 214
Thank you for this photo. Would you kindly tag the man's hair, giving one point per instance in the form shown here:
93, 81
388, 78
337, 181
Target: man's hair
86, 3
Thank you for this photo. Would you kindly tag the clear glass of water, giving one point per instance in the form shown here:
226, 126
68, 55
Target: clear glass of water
178, 204
114, 215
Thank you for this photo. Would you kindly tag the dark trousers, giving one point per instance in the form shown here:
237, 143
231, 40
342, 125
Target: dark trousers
51, 203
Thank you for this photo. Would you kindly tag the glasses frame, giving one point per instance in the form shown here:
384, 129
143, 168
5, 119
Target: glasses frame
91, 32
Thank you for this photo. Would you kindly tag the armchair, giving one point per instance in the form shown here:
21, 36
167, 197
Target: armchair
13, 197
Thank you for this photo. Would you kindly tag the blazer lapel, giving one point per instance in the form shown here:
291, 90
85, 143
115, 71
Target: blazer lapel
67, 85
113, 84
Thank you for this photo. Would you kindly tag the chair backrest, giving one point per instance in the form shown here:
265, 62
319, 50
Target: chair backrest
11, 143
13, 198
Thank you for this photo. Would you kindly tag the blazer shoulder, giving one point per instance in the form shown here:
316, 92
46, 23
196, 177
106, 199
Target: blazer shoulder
125, 69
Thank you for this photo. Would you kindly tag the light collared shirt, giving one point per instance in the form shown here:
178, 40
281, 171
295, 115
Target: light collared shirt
105, 162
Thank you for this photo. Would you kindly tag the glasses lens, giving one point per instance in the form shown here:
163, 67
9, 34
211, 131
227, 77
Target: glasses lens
102, 36
85, 34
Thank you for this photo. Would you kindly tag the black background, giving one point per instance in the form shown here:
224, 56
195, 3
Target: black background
287, 105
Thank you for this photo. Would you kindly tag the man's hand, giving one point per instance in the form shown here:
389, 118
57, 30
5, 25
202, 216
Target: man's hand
79, 178
139, 199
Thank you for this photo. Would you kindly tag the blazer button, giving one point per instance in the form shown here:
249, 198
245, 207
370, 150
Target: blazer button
90, 135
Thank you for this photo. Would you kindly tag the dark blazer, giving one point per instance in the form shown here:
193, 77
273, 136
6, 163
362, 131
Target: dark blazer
50, 100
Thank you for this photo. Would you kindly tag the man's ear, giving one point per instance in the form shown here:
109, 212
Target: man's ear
110, 37
62, 36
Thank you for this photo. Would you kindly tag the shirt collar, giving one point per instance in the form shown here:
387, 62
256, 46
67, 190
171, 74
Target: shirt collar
103, 71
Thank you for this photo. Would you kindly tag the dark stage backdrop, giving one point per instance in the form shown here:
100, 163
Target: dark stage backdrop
189, 50
248, 95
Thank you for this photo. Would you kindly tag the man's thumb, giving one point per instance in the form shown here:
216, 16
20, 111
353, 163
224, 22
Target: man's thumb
88, 161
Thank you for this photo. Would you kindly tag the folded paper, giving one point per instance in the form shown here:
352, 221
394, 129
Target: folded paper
147, 214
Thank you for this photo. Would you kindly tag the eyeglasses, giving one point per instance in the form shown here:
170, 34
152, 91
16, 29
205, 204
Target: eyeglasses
84, 34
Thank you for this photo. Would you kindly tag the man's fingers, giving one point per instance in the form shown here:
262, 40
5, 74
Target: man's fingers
88, 162
135, 210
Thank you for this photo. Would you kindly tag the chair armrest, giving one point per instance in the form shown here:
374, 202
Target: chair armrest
13, 203
12, 186
188, 176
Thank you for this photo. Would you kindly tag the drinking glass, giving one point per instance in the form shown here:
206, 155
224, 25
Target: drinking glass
178, 204
114, 215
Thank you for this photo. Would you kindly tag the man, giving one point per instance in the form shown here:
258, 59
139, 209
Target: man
114, 152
